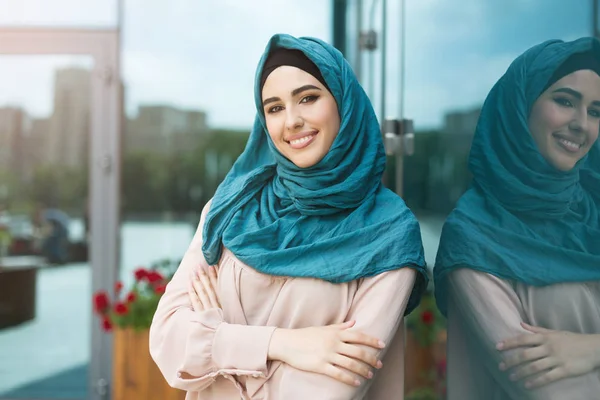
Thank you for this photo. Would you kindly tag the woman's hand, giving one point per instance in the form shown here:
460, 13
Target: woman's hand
550, 354
332, 350
202, 289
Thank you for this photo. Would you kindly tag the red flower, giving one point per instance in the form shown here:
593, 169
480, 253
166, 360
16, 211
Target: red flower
160, 289
140, 273
101, 302
154, 277
427, 317
121, 309
131, 297
106, 324
118, 287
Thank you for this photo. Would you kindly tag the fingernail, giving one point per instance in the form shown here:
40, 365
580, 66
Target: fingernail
500, 346
513, 377
379, 364
381, 344
357, 383
502, 366
370, 375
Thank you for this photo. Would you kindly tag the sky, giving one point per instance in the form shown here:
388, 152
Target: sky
202, 54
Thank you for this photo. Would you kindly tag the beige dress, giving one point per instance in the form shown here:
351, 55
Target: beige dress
484, 309
222, 354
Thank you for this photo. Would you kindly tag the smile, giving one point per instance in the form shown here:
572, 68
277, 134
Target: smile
300, 142
568, 145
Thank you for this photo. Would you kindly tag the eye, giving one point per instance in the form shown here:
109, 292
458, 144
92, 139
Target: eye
563, 102
274, 109
309, 99
594, 113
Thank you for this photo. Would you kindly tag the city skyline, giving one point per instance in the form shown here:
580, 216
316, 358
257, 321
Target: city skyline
195, 55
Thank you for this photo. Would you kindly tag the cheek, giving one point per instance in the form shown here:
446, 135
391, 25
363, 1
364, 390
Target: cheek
273, 128
546, 119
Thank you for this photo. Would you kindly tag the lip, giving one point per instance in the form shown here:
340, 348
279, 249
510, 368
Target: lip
561, 138
313, 134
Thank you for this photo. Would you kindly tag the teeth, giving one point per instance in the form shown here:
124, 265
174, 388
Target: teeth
568, 143
301, 140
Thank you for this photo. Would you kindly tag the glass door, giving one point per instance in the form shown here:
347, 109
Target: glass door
59, 107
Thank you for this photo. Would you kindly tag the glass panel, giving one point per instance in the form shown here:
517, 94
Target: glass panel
182, 136
448, 72
45, 278
86, 13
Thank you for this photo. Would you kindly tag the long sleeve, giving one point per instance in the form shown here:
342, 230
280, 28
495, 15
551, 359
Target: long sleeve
378, 309
484, 310
193, 348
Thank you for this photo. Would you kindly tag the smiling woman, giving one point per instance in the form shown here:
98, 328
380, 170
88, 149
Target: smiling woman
304, 265
517, 268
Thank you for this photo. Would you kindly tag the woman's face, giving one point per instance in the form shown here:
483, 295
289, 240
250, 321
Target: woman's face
301, 115
564, 120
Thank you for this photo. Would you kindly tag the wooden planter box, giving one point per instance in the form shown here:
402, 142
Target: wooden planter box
135, 375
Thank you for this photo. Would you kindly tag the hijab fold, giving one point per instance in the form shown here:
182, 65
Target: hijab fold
523, 219
333, 221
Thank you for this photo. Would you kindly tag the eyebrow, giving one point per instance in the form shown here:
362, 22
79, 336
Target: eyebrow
575, 94
295, 92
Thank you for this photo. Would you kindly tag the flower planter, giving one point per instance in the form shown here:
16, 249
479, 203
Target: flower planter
135, 375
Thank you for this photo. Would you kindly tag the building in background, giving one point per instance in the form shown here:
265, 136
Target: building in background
67, 139
165, 130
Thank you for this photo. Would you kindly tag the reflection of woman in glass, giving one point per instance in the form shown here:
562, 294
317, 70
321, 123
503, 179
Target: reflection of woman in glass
316, 260
518, 269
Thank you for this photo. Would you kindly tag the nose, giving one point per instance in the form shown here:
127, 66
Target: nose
293, 119
580, 122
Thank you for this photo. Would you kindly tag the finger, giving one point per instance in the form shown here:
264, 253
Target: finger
196, 305
357, 337
359, 354
344, 325
535, 329
546, 378
212, 275
201, 292
520, 341
208, 288
352, 365
533, 368
340, 375
523, 356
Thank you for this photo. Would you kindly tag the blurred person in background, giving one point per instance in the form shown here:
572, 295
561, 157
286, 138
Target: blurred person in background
518, 268
303, 264
51, 232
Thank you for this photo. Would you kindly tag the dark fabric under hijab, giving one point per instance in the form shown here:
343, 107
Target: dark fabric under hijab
523, 219
577, 62
293, 58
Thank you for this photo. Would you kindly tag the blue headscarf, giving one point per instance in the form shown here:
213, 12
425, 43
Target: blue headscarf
333, 221
524, 219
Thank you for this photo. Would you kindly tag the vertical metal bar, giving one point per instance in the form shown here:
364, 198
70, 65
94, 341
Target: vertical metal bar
383, 56
595, 18
400, 155
339, 25
358, 55
402, 53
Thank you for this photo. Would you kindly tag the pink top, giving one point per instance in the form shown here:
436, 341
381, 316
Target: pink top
222, 354
484, 309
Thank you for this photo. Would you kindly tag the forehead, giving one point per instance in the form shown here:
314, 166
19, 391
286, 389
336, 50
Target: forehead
586, 82
286, 78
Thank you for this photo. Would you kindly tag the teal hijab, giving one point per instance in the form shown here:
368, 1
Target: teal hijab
333, 221
523, 219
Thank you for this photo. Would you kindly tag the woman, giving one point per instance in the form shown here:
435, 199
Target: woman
518, 267
312, 261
